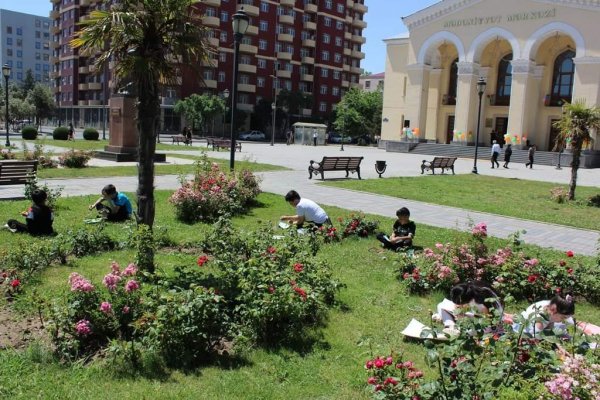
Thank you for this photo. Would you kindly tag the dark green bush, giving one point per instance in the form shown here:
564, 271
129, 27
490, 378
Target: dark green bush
60, 133
29, 133
90, 134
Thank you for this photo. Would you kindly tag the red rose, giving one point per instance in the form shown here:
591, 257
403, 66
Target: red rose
390, 381
271, 289
532, 278
369, 364
298, 267
570, 271
524, 357
202, 260
15, 283
379, 363
570, 253
271, 250
372, 380
562, 263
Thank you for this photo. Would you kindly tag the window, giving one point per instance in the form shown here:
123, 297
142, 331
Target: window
223, 36
19, 75
262, 44
221, 76
338, 41
224, 16
260, 82
9, 52
264, 26
210, 12
20, 53
562, 78
288, 85
323, 106
262, 63
367, 84
245, 59
327, 21
264, 7
338, 57
453, 83
244, 79
20, 64
340, 8
207, 74
38, 34
336, 74
9, 41
9, 29
324, 72
20, 31
329, 4
325, 55
504, 82
38, 67
223, 57
326, 38
339, 25
38, 23
38, 45
323, 89
335, 91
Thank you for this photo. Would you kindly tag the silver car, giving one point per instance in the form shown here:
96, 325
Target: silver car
253, 135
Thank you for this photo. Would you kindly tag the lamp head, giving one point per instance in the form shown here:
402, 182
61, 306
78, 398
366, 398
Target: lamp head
273, 106
226, 93
481, 85
6, 70
240, 22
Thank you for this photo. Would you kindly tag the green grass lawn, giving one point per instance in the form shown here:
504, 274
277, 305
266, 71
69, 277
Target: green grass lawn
504, 196
374, 309
81, 144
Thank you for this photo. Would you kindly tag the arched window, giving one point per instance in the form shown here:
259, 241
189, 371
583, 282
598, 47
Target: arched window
562, 78
504, 83
450, 98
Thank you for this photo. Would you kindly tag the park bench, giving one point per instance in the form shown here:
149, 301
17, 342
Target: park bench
17, 172
443, 163
224, 144
180, 138
348, 164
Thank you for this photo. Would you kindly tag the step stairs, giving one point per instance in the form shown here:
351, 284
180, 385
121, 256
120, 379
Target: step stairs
484, 153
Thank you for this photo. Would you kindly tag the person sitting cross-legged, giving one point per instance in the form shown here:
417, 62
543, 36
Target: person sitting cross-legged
114, 206
38, 217
403, 232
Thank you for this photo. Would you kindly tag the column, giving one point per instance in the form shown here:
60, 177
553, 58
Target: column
524, 95
467, 100
416, 96
587, 86
433, 105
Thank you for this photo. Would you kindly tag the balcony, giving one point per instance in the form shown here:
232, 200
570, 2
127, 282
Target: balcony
309, 43
82, 103
210, 83
358, 54
91, 68
285, 37
245, 107
54, 74
286, 19
82, 86
359, 39
312, 8
55, 1
359, 23
211, 21
347, 35
84, 3
251, 69
94, 102
355, 70
349, 19
284, 55
347, 51
245, 87
54, 14
307, 78
56, 89
252, 30
55, 30
288, 3
248, 48
349, 3
361, 8
210, 63
310, 26
214, 3
346, 67
214, 42
306, 112
308, 60
345, 84
94, 86
283, 73
84, 70
253, 11
354, 85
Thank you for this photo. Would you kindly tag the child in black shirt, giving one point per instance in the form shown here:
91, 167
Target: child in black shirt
403, 232
38, 217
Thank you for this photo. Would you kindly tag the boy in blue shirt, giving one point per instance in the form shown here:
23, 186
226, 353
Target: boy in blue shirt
114, 206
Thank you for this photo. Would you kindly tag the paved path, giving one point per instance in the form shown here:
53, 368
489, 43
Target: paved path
296, 158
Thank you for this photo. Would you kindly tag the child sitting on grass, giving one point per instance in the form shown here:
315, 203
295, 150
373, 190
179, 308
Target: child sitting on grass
114, 206
548, 315
403, 232
38, 217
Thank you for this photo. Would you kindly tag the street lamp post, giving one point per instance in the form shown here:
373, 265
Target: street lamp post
240, 24
225, 95
6, 73
342, 146
274, 112
480, 89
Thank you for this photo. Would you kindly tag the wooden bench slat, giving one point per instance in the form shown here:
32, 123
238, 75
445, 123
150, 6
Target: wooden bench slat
17, 172
348, 164
443, 163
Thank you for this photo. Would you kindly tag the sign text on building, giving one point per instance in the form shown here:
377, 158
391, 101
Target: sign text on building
499, 19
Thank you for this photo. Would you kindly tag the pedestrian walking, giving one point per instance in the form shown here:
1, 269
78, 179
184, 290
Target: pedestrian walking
495, 154
71, 132
315, 136
530, 153
288, 137
507, 154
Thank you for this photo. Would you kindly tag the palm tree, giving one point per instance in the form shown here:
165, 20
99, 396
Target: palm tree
147, 40
574, 129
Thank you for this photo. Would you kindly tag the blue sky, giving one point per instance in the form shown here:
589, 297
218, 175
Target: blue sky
383, 21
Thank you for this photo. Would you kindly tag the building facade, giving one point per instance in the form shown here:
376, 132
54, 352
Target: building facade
25, 45
312, 46
534, 56
372, 82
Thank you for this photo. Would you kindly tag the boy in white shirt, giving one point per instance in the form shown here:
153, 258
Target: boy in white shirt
306, 211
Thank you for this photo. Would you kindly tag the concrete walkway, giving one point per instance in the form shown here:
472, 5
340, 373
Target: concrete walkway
399, 164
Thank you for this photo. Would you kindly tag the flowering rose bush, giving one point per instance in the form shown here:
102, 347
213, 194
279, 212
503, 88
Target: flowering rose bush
357, 225
213, 193
10, 283
578, 379
510, 271
392, 378
6, 154
74, 158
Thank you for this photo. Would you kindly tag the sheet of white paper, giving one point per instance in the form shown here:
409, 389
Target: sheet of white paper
283, 225
415, 329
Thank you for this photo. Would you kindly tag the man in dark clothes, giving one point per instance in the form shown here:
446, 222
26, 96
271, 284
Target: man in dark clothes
403, 232
38, 217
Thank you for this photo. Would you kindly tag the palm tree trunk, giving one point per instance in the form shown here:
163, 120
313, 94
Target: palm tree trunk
574, 169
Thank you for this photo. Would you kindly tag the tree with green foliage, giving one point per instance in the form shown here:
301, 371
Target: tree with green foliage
574, 130
292, 103
42, 99
28, 83
148, 38
359, 113
199, 109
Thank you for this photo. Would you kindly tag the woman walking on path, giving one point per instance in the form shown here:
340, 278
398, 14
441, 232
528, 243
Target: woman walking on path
495, 154
531, 153
507, 154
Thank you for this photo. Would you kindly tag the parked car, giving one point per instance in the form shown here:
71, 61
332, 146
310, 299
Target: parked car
252, 135
337, 138
362, 139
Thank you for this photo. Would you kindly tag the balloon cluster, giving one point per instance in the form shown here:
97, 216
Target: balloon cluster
410, 133
460, 136
514, 139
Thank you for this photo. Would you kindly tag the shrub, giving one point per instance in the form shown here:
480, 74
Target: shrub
60, 133
594, 201
29, 133
90, 240
559, 195
90, 134
7, 154
74, 158
213, 193
357, 225
44, 158
53, 194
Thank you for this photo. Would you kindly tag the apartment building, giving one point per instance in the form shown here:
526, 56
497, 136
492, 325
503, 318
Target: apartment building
313, 46
372, 82
25, 45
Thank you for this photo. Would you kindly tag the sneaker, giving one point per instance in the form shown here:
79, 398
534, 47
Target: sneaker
13, 230
436, 317
505, 167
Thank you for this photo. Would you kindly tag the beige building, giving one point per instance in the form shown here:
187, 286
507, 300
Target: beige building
372, 82
533, 55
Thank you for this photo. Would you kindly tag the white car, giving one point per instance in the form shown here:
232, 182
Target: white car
253, 135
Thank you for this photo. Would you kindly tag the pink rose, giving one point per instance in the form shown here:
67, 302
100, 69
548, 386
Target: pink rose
106, 307
372, 380
130, 270
82, 327
379, 363
131, 286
